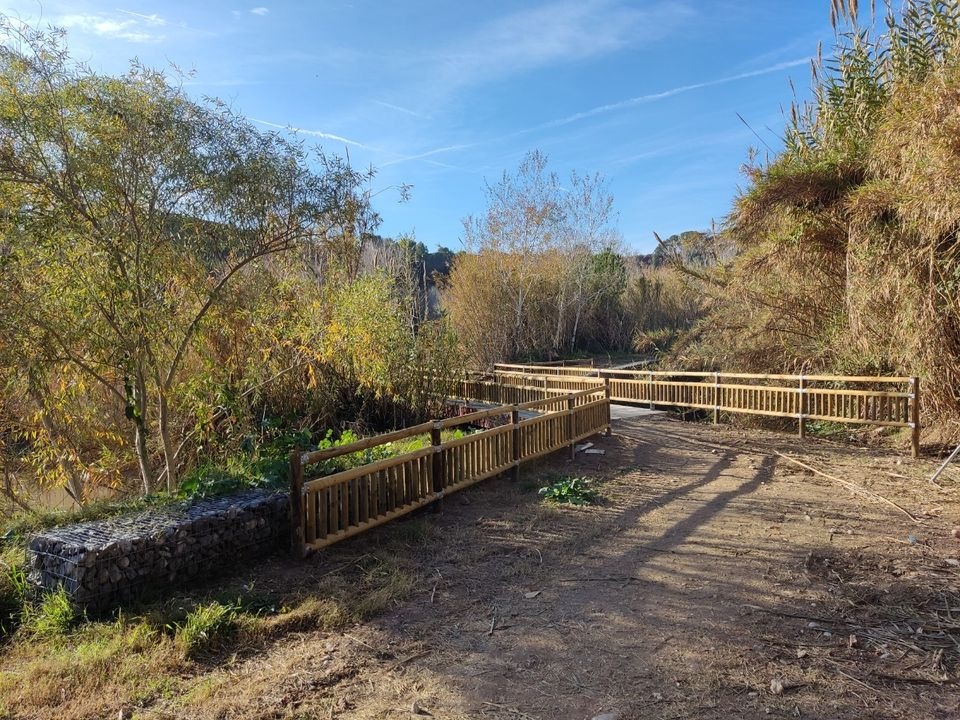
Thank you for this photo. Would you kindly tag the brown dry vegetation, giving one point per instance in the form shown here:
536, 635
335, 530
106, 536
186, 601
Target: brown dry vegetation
847, 239
712, 574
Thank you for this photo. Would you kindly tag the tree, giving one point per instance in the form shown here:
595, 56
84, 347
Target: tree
522, 287
127, 210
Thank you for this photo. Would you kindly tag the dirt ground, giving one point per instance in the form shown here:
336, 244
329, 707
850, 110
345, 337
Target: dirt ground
715, 580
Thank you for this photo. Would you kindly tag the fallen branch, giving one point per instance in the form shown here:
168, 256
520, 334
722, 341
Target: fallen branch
411, 658
623, 579
944, 466
796, 616
852, 486
509, 709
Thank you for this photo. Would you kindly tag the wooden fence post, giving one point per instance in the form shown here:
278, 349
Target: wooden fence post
606, 394
569, 426
650, 389
915, 416
515, 420
716, 398
802, 405
298, 547
437, 466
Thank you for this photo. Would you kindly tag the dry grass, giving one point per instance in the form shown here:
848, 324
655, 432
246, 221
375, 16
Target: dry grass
165, 650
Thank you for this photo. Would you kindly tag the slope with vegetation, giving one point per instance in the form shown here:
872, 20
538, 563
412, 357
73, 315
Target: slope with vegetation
847, 250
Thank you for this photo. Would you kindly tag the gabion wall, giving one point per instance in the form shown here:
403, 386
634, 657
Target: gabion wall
104, 563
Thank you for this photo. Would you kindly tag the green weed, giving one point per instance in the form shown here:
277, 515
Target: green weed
13, 588
52, 617
570, 491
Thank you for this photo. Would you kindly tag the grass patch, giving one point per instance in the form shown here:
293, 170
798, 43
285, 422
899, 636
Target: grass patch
205, 627
13, 588
411, 531
51, 617
827, 429
86, 671
570, 491
384, 585
311, 613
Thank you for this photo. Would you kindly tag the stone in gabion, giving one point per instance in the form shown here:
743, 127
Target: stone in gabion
140, 556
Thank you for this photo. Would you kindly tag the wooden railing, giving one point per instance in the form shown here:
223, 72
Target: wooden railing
325, 510
883, 401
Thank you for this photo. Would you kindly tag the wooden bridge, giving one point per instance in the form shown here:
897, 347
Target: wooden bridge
540, 409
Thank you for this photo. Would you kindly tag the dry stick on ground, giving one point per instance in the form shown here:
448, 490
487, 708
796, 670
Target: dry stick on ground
852, 486
516, 712
411, 658
361, 642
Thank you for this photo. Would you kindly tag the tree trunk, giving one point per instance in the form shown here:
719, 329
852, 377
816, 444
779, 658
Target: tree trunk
140, 433
561, 313
169, 452
576, 327
143, 457
518, 324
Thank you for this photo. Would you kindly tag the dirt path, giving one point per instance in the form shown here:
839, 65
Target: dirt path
715, 580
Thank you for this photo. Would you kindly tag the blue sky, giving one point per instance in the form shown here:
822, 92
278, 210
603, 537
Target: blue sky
443, 95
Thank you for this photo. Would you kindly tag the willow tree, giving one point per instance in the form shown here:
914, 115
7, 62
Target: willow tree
127, 210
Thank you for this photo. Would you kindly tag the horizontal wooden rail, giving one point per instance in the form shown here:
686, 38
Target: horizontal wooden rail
570, 371
329, 509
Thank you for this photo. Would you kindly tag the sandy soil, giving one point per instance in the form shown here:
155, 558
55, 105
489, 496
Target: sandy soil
715, 580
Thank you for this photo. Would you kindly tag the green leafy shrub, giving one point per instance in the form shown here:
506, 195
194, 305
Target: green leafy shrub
267, 466
570, 491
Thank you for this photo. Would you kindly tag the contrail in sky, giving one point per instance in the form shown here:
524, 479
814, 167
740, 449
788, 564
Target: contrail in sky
652, 97
315, 133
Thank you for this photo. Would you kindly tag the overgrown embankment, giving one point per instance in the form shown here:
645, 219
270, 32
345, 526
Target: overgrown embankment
847, 239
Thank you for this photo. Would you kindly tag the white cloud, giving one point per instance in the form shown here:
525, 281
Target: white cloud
132, 28
261, 11
560, 32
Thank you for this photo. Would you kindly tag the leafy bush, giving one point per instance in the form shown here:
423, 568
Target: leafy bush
267, 466
570, 491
